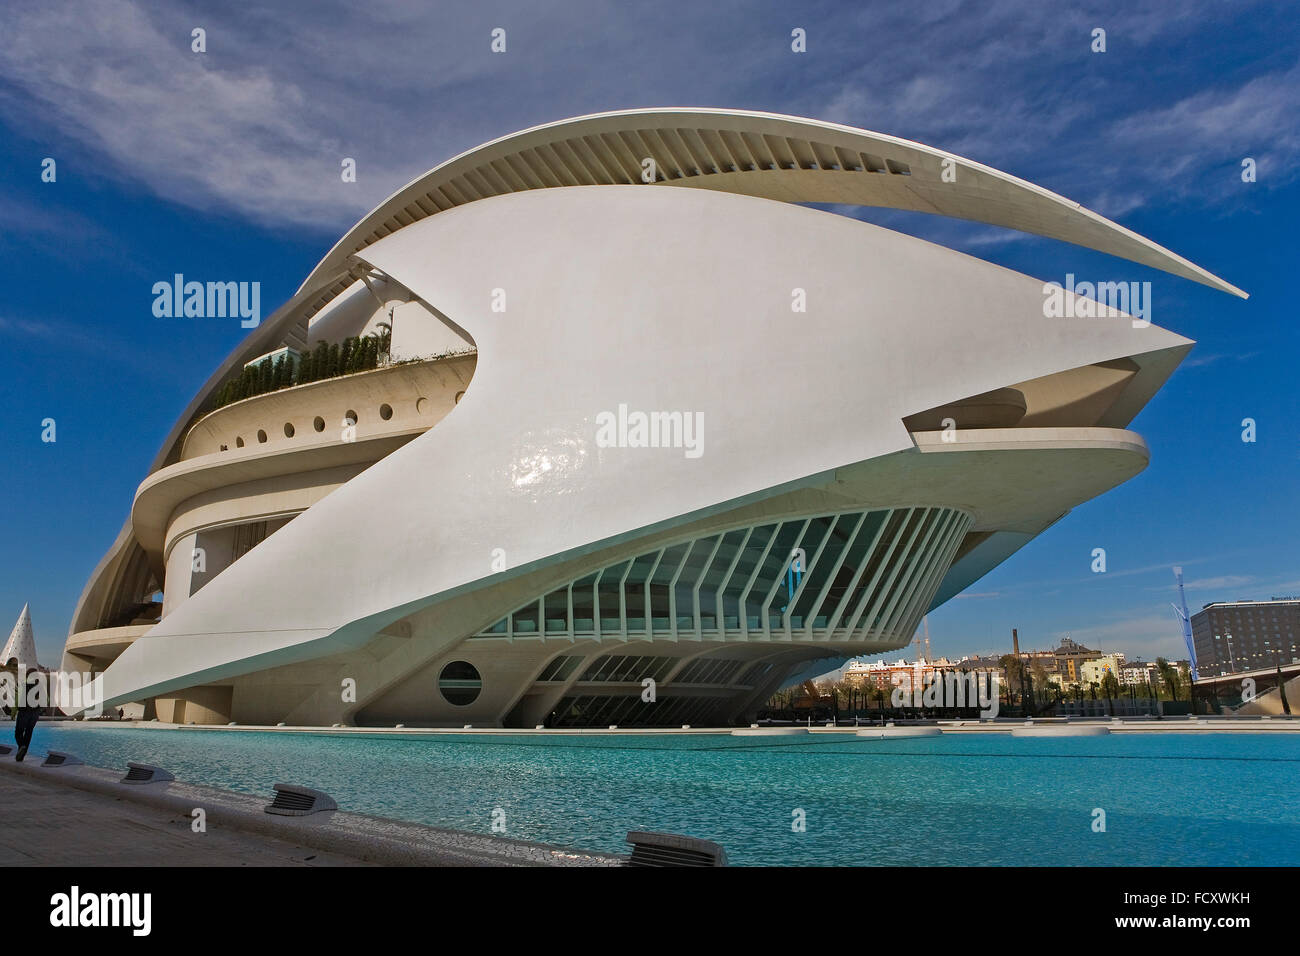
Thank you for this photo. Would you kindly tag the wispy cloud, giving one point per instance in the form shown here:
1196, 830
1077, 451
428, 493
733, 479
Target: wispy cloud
1188, 145
1147, 636
213, 131
26, 327
65, 335
1256, 120
1211, 584
1200, 361
257, 126
1166, 567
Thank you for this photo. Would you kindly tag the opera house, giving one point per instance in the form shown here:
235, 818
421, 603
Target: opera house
605, 423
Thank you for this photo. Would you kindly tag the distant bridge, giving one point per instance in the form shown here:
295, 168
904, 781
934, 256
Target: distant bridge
1262, 697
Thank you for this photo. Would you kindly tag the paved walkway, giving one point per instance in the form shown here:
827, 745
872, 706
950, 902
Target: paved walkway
45, 823
77, 815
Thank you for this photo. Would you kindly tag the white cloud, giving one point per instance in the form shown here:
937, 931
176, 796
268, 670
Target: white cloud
1196, 144
24, 327
982, 95
1148, 637
257, 126
1217, 583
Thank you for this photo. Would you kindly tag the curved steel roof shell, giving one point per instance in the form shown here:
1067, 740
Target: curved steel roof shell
773, 156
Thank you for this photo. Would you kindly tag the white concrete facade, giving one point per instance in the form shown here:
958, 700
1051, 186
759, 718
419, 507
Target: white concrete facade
817, 359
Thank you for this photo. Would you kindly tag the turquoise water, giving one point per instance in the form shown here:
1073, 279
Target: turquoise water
969, 799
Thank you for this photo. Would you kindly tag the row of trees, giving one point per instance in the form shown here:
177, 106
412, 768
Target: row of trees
1031, 681
1168, 681
849, 695
327, 360
1020, 680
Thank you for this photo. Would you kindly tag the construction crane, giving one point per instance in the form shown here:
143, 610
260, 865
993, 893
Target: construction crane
1186, 620
923, 651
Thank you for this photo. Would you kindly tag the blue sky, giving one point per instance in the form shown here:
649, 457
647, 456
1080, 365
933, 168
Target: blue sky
225, 165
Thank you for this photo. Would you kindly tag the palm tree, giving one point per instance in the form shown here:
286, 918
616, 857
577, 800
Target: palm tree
880, 695
1039, 674
1014, 668
383, 340
1110, 686
1169, 674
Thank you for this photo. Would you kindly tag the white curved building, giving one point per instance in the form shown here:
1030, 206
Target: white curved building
694, 435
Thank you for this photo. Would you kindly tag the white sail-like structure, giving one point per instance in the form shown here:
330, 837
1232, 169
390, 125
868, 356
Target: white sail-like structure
660, 421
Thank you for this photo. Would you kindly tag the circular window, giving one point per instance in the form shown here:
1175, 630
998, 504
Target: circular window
239, 442
421, 406
350, 418
385, 412
460, 683
318, 424
261, 435
288, 429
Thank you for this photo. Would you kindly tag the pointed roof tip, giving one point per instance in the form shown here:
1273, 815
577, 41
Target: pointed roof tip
1224, 286
22, 643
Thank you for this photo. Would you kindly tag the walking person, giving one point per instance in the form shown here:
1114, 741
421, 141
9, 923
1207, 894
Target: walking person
25, 723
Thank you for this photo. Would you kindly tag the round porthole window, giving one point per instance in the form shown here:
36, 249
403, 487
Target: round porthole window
261, 435
318, 424
460, 683
288, 429
385, 411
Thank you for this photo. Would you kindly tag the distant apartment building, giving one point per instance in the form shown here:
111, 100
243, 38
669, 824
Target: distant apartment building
992, 663
1064, 665
869, 673
882, 673
1095, 670
1138, 673
1232, 636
